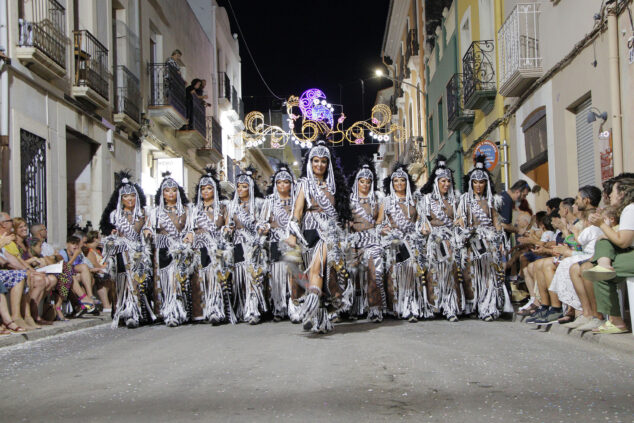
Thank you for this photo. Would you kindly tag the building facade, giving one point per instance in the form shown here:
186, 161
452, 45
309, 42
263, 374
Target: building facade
402, 54
86, 92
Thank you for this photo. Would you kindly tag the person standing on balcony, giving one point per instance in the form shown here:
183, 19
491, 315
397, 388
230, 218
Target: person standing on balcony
191, 95
174, 60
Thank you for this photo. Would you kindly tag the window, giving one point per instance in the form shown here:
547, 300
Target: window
585, 144
431, 134
441, 122
535, 138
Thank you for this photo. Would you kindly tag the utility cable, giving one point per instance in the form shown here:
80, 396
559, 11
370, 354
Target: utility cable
235, 18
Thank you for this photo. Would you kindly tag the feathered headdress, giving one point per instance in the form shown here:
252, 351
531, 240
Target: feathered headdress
366, 170
209, 178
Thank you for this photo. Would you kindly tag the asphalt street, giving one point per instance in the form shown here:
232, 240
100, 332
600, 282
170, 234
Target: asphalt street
437, 371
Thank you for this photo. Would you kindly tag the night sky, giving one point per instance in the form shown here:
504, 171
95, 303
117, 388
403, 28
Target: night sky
302, 44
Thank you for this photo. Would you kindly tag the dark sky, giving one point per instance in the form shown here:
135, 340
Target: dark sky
302, 44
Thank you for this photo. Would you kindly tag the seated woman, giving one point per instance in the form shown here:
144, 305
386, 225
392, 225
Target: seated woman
614, 257
322, 208
95, 261
12, 283
71, 256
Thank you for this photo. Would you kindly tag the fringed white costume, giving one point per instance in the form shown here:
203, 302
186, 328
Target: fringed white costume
211, 288
438, 212
175, 258
403, 244
277, 214
249, 254
322, 238
482, 246
129, 259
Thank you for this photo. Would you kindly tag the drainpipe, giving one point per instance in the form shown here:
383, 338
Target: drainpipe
4, 109
615, 91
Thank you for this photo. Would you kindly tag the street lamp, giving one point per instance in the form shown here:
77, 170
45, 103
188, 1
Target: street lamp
379, 73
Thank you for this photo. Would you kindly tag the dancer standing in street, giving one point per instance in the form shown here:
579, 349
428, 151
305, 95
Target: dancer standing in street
438, 210
367, 265
249, 252
276, 215
211, 284
127, 254
174, 256
398, 220
321, 210
483, 246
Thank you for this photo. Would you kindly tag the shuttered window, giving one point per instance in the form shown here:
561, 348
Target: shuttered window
585, 145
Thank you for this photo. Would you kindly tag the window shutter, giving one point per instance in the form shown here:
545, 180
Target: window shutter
585, 145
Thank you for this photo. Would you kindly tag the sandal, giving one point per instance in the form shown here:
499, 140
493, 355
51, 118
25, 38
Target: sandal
566, 319
4, 331
527, 311
60, 315
16, 328
609, 328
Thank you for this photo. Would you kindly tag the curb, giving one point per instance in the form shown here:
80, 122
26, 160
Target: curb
621, 342
57, 329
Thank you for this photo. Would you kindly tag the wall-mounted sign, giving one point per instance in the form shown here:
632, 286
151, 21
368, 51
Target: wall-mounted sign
605, 154
173, 165
490, 150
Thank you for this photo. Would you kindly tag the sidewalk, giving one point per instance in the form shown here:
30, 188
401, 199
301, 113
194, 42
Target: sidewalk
623, 342
56, 329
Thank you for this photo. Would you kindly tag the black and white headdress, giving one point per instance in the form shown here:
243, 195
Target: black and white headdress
320, 150
283, 174
209, 179
400, 172
169, 182
442, 171
480, 173
245, 177
364, 172
127, 187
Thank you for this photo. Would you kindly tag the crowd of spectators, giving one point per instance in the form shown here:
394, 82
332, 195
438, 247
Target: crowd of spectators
40, 285
573, 255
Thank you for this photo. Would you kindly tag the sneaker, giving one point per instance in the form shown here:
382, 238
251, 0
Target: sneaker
549, 317
539, 313
579, 321
599, 273
591, 324
452, 318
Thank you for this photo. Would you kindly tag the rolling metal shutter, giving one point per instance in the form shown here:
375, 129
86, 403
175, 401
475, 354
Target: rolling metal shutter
585, 145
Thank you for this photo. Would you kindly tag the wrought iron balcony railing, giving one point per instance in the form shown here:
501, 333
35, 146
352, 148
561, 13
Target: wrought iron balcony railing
46, 30
478, 78
519, 58
214, 134
198, 120
167, 87
91, 63
224, 86
412, 44
127, 93
235, 100
457, 116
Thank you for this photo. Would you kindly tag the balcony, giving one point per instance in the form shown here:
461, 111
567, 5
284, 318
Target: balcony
520, 61
42, 43
90, 83
458, 118
224, 89
167, 95
212, 152
127, 111
194, 136
412, 45
478, 78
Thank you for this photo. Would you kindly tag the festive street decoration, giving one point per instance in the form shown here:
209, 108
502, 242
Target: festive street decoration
310, 116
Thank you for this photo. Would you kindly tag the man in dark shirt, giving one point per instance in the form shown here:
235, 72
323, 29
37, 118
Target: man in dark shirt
517, 193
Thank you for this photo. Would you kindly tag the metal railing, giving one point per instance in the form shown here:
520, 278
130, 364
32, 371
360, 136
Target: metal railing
91, 63
167, 87
235, 100
455, 101
127, 93
412, 44
224, 86
197, 119
214, 134
477, 67
46, 30
518, 41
